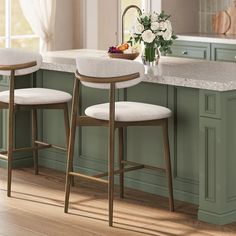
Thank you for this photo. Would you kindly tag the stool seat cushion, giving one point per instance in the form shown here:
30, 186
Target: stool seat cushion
36, 96
104, 67
129, 111
12, 56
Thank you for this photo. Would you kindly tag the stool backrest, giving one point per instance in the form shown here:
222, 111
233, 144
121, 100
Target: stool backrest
19, 61
100, 72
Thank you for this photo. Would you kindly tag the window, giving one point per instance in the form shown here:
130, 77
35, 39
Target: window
15, 31
132, 14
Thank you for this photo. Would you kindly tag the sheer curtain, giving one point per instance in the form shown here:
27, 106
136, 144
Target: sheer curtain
41, 17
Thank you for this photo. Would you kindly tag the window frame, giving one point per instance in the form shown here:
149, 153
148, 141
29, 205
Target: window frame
8, 36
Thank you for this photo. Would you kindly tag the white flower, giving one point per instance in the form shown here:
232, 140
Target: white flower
154, 17
160, 33
144, 15
163, 25
148, 36
155, 26
139, 28
168, 25
167, 35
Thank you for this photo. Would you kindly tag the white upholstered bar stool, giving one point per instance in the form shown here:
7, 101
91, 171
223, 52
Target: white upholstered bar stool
15, 63
105, 73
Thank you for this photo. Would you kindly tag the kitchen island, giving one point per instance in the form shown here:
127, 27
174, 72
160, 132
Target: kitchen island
202, 96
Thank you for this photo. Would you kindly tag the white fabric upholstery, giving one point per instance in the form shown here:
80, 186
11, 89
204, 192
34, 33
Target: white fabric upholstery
107, 67
129, 111
10, 56
36, 96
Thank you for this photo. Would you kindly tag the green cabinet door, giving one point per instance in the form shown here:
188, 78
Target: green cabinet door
188, 49
223, 52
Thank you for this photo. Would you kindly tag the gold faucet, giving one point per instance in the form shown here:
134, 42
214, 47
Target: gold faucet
123, 16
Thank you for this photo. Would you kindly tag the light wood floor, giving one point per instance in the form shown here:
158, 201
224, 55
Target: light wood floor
36, 208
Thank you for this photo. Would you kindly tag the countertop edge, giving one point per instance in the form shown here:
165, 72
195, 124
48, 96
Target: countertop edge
167, 80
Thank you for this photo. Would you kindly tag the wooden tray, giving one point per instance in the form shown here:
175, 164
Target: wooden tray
128, 56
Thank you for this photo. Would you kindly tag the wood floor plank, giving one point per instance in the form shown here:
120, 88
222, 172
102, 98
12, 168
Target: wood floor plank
36, 208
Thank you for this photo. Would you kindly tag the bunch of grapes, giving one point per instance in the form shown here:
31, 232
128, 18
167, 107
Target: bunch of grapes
114, 50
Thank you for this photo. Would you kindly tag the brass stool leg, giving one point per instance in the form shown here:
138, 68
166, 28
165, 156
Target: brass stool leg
10, 133
34, 138
67, 132
121, 158
168, 163
71, 143
10, 151
111, 153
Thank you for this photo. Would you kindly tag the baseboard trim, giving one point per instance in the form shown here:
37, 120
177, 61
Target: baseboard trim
21, 162
217, 219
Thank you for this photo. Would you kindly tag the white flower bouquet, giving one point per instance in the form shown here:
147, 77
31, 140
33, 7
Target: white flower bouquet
155, 31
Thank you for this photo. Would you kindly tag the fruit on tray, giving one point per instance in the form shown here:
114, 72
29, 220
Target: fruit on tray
114, 50
119, 49
123, 47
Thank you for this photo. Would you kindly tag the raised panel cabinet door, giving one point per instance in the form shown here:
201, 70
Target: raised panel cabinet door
223, 52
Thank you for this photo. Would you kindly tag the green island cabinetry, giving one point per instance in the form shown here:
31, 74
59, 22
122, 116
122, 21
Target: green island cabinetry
202, 133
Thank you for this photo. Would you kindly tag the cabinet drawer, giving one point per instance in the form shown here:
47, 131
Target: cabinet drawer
224, 52
191, 50
225, 55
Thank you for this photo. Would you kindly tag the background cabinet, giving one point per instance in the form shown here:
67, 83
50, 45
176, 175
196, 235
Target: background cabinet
191, 50
223, 52
204, 51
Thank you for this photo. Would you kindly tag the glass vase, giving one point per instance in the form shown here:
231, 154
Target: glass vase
151, 56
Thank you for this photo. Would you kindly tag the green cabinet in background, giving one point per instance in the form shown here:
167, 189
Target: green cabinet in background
194, 50
223, 52
204, 51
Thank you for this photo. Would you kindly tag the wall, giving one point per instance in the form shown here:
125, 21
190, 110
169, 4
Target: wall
207, 9
107, 23
184, 14
79, 14
95, 23
64, 27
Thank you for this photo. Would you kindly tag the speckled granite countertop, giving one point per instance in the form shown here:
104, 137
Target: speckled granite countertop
209, 75
208, 38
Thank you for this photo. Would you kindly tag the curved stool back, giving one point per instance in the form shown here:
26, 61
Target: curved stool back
19, 61
99, 72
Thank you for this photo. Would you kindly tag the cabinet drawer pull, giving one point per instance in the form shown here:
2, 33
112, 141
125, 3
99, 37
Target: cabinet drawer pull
184, 53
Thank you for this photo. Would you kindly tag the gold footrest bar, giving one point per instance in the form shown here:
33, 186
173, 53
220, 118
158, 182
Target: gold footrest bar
120, 171
88, 177
145, 166
51, 145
